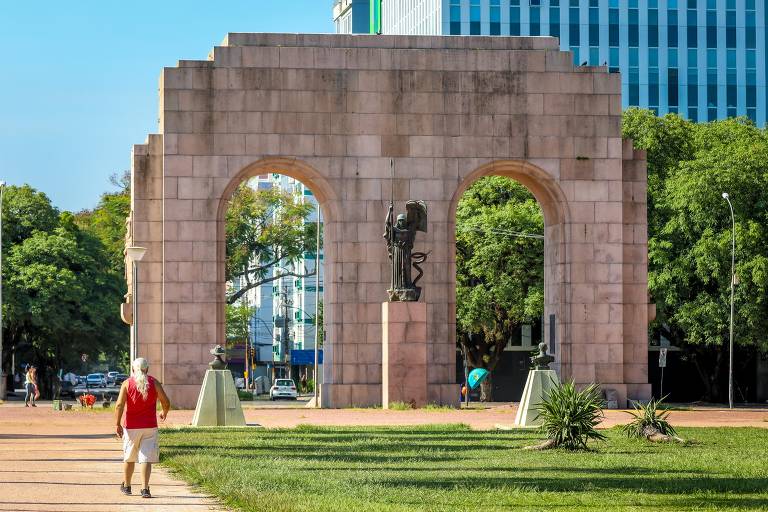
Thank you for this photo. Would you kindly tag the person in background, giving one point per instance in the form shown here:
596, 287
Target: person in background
138, 398
30, 386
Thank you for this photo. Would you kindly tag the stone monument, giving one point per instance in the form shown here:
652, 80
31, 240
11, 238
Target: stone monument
404, 318
540, 381
218, 404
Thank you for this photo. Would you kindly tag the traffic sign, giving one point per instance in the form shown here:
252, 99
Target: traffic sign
662, 357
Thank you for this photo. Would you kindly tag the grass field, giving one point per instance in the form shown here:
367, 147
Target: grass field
452, 468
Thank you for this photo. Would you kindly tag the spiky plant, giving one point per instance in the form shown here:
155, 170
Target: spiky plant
649, 421
570, 416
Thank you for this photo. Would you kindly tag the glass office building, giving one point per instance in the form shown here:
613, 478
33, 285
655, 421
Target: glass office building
704, 59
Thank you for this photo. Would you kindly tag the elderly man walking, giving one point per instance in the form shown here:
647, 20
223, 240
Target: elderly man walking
138, 398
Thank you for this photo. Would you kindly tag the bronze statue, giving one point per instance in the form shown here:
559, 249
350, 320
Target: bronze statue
542, 359
400, 235
218, 363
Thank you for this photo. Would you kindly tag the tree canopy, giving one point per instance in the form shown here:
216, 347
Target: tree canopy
689, 245
62, 292
266, 229
499, 266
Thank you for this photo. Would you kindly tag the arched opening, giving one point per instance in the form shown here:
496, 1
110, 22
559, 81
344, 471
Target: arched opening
508, 221
271, 274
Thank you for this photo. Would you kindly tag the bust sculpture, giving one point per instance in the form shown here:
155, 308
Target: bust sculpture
542, 359
218, 363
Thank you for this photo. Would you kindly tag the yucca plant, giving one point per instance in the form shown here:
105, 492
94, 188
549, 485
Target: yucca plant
570, 416
650, 422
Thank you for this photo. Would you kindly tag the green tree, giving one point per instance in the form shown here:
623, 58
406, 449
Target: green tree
238, 320
265, 229
108, 220
690, 242
61, 293
499, 281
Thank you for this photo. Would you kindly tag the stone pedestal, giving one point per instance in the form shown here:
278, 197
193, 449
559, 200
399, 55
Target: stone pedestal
537, 385
218, 404
404, 353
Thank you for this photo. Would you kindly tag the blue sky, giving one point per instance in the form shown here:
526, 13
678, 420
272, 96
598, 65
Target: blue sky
78, 84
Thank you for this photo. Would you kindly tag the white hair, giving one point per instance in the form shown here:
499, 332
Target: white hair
139, 369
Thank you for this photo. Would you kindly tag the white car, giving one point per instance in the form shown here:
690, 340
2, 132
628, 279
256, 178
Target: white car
111, 378
283, 388
96, 380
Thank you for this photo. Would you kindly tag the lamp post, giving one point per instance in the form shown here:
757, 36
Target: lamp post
733, 279
135, 254
3, 381
318, 327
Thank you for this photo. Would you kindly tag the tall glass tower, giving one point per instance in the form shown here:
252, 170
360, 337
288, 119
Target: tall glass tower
704, 59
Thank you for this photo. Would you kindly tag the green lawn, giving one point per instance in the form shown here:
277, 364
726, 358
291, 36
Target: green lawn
451, 468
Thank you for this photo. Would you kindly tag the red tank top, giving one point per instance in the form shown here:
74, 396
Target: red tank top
141, 413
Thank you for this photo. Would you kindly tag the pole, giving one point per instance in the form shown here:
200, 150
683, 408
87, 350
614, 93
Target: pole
661, 384
3, 380
135, 300
286, 355
318, 326
733, 279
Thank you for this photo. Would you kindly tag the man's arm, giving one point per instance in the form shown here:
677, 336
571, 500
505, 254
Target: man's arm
165, 403
119, 408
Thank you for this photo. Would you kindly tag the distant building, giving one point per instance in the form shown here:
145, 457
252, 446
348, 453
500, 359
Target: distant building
354, 16
267, 326
703, 59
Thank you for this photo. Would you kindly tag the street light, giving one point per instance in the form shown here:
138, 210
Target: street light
135, 254
733, 279
318, 327
2, 374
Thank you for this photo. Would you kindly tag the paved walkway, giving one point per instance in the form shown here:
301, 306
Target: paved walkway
71, 461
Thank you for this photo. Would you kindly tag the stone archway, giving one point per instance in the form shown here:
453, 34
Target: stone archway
332, 110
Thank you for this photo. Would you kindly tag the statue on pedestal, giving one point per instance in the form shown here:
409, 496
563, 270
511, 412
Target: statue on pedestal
400, 235
542, 359
218, 363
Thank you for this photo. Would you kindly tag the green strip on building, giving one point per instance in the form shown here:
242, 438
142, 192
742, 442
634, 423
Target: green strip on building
375, 16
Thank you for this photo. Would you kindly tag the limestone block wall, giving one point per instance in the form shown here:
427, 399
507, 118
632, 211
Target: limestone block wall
332, 110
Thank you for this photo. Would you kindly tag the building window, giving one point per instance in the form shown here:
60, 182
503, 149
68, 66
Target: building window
495, 15
574, 38
474, 17
455, 14
731, 95
594, 26
613, 27
730, 28
653, 28
535, 21
672, 28
514, 17
633, 29
554, 19
692, 28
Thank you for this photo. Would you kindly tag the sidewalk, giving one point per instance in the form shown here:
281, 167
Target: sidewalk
71, 461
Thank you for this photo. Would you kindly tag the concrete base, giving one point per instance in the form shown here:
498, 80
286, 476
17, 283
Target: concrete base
404, 353
536, 387
218, 404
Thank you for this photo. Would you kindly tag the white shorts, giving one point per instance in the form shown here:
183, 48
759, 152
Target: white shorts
140, 445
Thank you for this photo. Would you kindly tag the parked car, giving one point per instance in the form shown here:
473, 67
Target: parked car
67, 389
283, 388
120, 378
111, 378
81, 380
96, 380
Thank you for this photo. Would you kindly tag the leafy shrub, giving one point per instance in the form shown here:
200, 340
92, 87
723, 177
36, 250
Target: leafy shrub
571, 416
648, 420
244, 396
